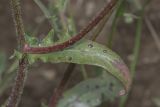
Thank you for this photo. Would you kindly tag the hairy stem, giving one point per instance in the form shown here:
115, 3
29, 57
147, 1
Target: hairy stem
17, 89
41, 50
17, 17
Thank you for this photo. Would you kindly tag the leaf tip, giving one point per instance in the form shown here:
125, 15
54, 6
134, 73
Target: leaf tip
124, 72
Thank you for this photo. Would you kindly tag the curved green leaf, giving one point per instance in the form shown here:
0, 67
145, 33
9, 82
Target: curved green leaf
92, 53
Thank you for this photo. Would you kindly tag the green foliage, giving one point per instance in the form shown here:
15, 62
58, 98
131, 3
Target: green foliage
87, 52
114, 80
48, 40
92, 53
92, 92
33, 41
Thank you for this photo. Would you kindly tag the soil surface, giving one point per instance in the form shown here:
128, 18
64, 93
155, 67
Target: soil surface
43, 78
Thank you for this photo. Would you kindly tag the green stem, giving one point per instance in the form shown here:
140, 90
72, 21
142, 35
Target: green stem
135, 54
137, 45
43, 8
138, 39
114, 23
136, 50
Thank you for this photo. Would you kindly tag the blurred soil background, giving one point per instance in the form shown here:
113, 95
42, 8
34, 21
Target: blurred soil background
43, 78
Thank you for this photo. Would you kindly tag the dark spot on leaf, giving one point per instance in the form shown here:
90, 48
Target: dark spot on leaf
97, 86
111, 86
104, 51
70, 58
90, 45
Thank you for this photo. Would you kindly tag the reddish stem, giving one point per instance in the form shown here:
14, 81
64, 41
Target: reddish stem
59, 90
41, 50
17, 90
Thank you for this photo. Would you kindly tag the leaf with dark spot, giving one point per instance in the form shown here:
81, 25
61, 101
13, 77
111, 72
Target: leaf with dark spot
91, 90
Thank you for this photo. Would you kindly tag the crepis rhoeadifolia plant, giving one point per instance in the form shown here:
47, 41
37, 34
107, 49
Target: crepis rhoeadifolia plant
113, 81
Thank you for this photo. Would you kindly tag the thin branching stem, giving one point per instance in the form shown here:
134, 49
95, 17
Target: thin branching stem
135, 54
136, 49
41, 50
17, 17
17, 89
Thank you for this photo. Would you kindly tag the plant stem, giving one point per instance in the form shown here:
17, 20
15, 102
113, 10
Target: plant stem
101, 25
120, 7
59, 90
17, 89
135, 54
138, 39
17, 17
43, 8
136, 50
74, 39
153, 32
